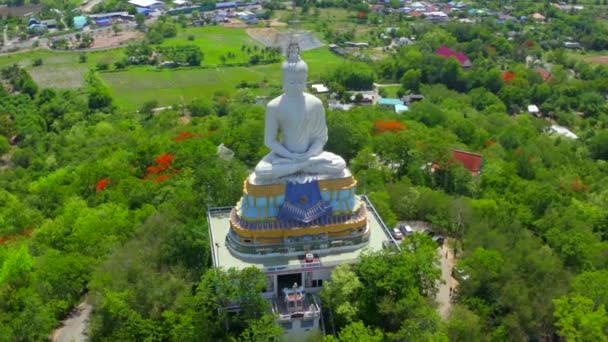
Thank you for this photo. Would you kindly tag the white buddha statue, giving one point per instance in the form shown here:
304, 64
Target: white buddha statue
299, 118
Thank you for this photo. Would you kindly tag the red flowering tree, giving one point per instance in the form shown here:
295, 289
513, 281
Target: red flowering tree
508, 75
165, 159
161, 178
102, 184
186, 135
164, 163
579, 186
388, 126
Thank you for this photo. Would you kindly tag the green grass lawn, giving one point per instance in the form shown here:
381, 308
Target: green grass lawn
60, 69
136, 85
391, 91
132, 87
216, 41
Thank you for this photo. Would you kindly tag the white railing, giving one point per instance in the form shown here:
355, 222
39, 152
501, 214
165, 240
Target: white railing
313, 310
386, 230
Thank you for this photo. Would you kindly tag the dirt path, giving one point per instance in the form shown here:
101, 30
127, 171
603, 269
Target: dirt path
89, 6
106, 39
444, 294
598, 59
74, 328
5, 36
378, 85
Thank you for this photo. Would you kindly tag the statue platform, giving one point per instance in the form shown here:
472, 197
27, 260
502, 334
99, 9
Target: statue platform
298, 213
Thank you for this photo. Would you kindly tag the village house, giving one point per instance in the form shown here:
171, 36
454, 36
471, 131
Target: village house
470, 161
462, 58
151, 5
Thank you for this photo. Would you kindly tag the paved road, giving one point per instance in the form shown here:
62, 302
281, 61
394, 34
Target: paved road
444, 294
44, 42
447, 262
380, 85
89, 6
74, 328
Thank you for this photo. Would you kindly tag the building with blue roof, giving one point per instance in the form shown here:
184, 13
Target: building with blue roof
401, 108
223, 5
80, 22
389, 102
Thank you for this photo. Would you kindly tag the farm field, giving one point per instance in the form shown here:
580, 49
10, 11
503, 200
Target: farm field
60, 69
132, 87
215, 41
138, 84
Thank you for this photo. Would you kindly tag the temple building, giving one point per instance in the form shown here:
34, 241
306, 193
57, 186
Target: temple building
299, 216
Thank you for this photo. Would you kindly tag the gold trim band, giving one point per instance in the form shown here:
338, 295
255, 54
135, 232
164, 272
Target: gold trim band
279, 188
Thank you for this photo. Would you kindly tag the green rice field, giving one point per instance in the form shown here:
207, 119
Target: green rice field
137, 84
133, 87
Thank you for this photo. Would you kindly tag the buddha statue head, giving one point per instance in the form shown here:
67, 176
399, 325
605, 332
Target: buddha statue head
295, 72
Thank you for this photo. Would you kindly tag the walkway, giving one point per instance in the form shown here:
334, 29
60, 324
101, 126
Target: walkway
444, 294
74, 328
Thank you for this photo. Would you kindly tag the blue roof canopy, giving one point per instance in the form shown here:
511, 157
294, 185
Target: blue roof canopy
387, 101
80, 21
401, 108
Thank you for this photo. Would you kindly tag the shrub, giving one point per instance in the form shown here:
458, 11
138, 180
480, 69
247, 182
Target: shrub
102, 66
120, 65
4, 145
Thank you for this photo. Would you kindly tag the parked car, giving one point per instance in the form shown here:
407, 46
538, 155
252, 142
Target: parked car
439, 239
459, 274
397, 234
406, 229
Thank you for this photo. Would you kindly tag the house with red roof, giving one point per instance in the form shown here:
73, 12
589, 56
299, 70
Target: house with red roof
462, 58
545, 74
471, 161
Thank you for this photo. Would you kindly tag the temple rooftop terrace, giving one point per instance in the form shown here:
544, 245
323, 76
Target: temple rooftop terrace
219, 226
296, 305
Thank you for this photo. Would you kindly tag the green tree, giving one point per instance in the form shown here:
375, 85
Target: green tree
410, 81
140, 20
578, 320
598, 145
263, 329
463, 325
4, 145
340, 294
116, 28
356, 331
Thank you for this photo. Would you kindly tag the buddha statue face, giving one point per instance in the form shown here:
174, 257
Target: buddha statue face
294, 78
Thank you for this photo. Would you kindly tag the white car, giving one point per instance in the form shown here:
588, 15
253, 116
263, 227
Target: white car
397, 234
407, 229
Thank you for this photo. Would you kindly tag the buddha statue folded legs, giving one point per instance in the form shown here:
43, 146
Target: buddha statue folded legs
273, 166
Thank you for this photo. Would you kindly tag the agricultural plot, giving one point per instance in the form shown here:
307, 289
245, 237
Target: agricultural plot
59, 70
60, 77
598, 59
136, 85
216, 41
133, 87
